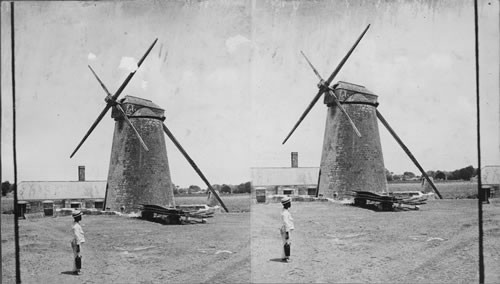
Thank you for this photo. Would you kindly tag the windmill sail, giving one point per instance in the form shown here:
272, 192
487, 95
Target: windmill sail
332, 94
112, 100
325, 85
118, 106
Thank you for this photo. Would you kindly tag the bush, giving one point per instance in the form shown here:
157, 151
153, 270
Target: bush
6, 188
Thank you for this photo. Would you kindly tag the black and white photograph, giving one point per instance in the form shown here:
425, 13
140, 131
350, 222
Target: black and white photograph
250, 141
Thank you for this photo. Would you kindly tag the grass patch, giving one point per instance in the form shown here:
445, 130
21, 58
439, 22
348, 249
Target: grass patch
233, 202
449, 190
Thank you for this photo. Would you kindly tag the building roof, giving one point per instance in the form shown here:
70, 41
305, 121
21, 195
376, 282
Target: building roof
57, 190
490, 175
284, 176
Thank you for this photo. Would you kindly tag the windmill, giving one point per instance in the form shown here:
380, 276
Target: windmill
138, 174
351, 160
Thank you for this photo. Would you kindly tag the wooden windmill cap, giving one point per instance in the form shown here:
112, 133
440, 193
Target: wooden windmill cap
351, 92
139, 107
341, 85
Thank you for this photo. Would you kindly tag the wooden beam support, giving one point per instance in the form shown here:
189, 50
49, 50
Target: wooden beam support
192, 163
407, 151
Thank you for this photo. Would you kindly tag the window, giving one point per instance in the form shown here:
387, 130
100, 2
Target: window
311, 191
75, 204
99, 204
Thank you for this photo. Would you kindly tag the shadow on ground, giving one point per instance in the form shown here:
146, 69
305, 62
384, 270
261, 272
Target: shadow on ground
69, 273
276, 260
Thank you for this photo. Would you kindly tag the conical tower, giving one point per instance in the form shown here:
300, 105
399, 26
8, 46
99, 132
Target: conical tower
349, 162
137, 176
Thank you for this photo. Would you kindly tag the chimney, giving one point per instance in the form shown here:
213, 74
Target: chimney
81, 173
295, 159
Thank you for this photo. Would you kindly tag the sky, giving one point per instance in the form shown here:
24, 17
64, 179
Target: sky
231, 79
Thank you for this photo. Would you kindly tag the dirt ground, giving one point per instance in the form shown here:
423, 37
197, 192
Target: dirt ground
128, 250
332, 243
338, 243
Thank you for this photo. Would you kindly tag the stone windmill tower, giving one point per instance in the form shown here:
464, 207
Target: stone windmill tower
138, 174
351, 161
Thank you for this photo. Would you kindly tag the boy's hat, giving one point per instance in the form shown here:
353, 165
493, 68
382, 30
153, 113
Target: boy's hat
77, 213
286, 200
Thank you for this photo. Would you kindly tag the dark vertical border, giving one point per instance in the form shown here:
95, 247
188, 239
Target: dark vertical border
479, 191
1, 177
16, 213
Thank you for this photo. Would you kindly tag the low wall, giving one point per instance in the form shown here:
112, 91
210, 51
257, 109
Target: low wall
34, 216
85, 211
295, 198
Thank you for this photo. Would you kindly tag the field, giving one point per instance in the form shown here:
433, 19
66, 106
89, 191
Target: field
335, 243
121, 249
449, 190
234, 203
332, 243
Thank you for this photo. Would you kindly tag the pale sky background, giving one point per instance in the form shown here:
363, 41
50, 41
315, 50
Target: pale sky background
232, 81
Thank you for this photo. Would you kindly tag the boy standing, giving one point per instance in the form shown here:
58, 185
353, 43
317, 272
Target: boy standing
286, 228
77, 241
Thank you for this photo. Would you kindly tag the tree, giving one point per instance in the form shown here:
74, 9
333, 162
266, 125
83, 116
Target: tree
463, 173
225, 189
408, 175
460, 174
440, 175
388, 175
6, 188
454, 175
244, 187
466, 173
193, 188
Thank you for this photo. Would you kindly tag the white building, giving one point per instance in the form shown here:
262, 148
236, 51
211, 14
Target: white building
63, 194
490, 176
40, 196
286, 180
